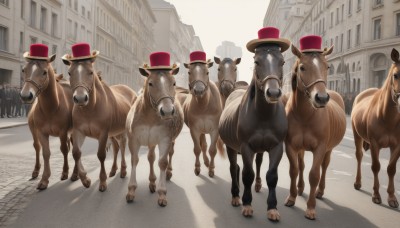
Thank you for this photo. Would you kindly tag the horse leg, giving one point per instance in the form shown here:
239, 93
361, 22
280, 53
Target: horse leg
163, 147
77, 140
293, 172
324, 166
64, 150
203, 145
197, 150
122, 146
376, 166
314, 177
213, 151
134, 149
115, 147
235, 171
259, 159
101, 155
44, 141
391, 170
275, 156
300, 183
170, 154
358, 141
37, 146
151, 156
247, 178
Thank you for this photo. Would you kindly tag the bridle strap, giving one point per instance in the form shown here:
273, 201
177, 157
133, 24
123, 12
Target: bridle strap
309, 85
154, 103
39, 87
263, 81
395, 94
191, 84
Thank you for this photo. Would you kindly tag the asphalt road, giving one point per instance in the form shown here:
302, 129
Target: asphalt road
193, 201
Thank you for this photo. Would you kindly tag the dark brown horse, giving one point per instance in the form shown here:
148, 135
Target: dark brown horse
99, 112
254, 121
51, 113
315, 124
227, 76
376, 124
156, 118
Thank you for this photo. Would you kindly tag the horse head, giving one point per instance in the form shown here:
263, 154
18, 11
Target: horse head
310, 75
227, 74
36, 75
198, 77
268, 71
394, 75
82, 77
160, 89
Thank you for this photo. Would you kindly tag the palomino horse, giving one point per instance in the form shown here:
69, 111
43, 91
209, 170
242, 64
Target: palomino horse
156, 118
227, 76
376, 124
202, 109
254, 121
51, 114
315, 124
99, 112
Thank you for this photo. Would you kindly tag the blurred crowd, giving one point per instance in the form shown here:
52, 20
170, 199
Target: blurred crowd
11, 105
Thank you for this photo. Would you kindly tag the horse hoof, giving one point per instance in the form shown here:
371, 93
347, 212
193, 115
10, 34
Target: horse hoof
169, 175
393, 203
235, 201
86, 182
122, 174
42, 185
319, 195
64, 176
273, 215
258, 185
102, 187
290, 201
130, 197
197, 171
35, 174
211, 174
152, 187
357, 186
310, 214
247, 211
162, 201
74, 177
377, 199
112, 173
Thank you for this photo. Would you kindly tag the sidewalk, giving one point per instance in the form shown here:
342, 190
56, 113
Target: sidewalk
13, 122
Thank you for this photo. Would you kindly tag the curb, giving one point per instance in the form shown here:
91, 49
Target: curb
13, 125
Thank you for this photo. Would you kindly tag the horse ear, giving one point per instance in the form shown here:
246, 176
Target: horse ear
209, 63
174, 71
395, 55
186, 65
144, 72
296, 51
237, 61
92, 60
216, 60
52, 58
66, 62
328, 51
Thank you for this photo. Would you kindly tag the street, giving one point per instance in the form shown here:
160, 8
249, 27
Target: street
193, 201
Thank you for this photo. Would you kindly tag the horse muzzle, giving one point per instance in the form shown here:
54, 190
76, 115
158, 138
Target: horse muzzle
199, 89
166, 109
27, 97
227, 88
272, 95
81, 99
320, 100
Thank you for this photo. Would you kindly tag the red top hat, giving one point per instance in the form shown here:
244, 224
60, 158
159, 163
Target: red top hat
81, 51
198, 57
37, 51
268, 35
311, 43
159, 61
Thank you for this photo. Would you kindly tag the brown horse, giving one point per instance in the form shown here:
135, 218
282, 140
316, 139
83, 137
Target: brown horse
227, 76
315, 124
254, 121
99, 112
202, 109
51, 114
376, 124
156, 118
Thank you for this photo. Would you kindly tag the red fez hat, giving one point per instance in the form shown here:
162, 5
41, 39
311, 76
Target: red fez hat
268, 35
81, 51
198, 57
37, 51
311, 43
159, 61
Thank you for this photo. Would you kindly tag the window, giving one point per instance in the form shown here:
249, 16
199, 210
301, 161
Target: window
70, 3
3, 38
22, 9
88, 15
341, 42
83, 33
83, 11
358, 35
76, 31
337, 15
54, 49
54, 21
332, 19
336, 43
378, 2
69, 27
298, 11
377, 29
350, 7
349, 39
43, 19
21, 41
358, 5
33, 40
397, 23
33, 14
342, 11
76, 5
4, 2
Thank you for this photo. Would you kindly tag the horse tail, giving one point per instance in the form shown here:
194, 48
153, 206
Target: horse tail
365, 146
220, 147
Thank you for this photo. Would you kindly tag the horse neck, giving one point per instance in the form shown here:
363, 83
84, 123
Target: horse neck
386, 105
301, 104
48, 98
98, 91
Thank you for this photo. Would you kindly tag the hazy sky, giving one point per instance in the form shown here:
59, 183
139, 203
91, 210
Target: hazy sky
217, 20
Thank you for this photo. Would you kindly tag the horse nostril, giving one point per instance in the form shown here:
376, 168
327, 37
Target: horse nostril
274, 93
75, 99
173, 111
162, 112
86, 98
322, 99
30, 96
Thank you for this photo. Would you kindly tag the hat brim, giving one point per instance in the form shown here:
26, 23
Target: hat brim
312, 50
27, 55
68, 57
146, 67
199, 61
283, 43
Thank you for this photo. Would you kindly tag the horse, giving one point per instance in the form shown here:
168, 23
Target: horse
156, 118
254, 121
202, 109
317, 123
99, 112
51, 113
227, 76
375, 121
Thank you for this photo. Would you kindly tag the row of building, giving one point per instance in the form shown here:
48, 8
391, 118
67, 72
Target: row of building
124, 31
363, 33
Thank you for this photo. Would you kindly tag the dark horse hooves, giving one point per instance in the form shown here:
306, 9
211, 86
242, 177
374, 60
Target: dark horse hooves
357, 186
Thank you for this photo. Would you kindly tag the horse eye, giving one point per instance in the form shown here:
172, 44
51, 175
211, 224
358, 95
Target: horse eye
150, 84
396, 76
255, 62
44, 73
69, 73
91, 72
235, 69
174, 84
207, 73
23, 71
219, 69
302, 68
189, 73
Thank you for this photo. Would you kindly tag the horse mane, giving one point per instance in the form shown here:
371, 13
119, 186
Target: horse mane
252, 85
386, 85
294, 76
